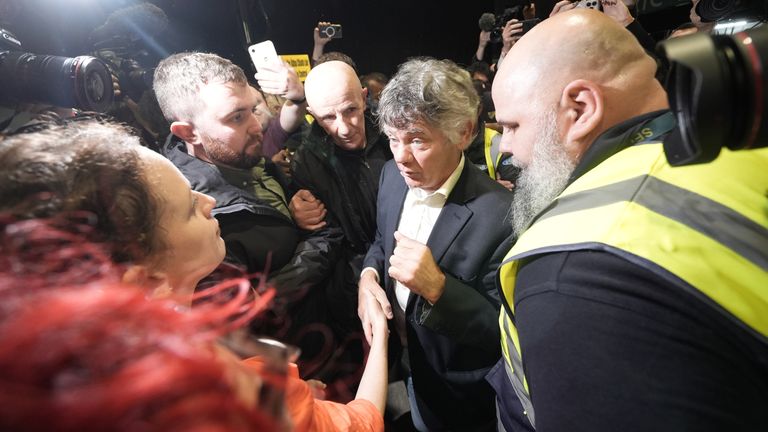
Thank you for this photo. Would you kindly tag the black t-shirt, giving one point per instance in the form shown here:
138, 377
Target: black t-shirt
611, 346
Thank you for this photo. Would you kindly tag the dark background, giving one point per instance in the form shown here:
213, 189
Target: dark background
378, 35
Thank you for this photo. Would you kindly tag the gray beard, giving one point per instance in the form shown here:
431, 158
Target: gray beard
544, 178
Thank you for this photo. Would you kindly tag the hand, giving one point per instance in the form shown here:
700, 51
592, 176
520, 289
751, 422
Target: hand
529, 11
617, 10
485, 37
308, 211
283, 161
281, 79
373, 308
510, 34
412, 265
317, 388
319, 40
506, 183
562, 6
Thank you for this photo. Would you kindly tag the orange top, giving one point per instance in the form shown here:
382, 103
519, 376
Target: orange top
310, 414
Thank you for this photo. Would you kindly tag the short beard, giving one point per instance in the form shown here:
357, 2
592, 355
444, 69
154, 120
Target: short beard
544, 178
220, 153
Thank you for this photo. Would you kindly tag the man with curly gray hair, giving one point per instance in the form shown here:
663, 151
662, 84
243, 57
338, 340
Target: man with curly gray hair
440, 238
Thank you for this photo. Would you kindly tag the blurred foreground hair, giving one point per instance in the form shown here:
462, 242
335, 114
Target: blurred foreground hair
79, 351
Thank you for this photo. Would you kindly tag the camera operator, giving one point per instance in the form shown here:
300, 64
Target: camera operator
121, 42
318, 49
505, 28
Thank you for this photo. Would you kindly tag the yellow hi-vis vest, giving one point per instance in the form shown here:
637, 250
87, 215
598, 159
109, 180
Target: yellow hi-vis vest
706, 225
491, 143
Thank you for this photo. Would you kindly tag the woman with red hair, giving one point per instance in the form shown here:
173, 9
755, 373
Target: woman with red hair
141, 210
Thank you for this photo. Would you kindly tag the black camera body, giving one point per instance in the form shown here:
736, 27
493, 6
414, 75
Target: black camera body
330, 31
502, 19
495, 23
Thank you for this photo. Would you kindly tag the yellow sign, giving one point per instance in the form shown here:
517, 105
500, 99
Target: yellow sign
300, 63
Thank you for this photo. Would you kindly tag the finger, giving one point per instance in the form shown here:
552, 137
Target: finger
402, 238
313, 227
311, 210
381, 297
407, 243
305, 195
318, 217
308, 194
311, 219
397, 274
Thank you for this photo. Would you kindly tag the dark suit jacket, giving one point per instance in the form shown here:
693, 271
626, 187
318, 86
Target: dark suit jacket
453, 344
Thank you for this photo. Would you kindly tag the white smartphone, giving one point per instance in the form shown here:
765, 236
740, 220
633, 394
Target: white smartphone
263, 53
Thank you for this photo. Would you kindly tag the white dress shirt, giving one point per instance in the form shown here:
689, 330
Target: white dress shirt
420, 212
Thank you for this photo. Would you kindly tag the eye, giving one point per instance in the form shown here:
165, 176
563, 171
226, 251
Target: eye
510, 128
193, 209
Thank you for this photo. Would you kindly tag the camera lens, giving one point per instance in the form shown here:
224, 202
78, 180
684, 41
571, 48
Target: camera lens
330, 31
718, 90
82, 82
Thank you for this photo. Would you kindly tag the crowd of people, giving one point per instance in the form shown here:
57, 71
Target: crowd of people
493, 247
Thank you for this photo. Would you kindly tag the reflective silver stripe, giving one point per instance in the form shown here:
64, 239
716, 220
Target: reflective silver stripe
516, 377
718, 222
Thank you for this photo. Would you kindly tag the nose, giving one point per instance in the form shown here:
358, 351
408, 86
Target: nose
256, 126
401, 153
342, 128
208, 204
505, 145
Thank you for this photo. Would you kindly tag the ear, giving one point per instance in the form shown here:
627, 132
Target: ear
186, 131
466, 135
582, 101
154, 282
365, 93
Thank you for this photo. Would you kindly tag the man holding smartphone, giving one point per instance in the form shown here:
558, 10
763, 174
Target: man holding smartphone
216, 142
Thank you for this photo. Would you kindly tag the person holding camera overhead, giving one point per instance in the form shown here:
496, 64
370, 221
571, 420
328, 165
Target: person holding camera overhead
506, 28
635, 297
322, 34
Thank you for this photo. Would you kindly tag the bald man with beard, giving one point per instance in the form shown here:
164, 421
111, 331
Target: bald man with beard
635, 298
339, 162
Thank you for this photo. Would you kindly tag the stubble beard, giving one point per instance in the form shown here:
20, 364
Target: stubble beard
220, 153
544, 178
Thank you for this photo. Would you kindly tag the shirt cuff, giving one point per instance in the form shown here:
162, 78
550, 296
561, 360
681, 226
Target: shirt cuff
373, 270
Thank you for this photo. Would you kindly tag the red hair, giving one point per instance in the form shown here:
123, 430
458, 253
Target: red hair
79, 351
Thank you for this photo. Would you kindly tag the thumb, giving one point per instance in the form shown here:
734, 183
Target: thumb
306, 195
400, 236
